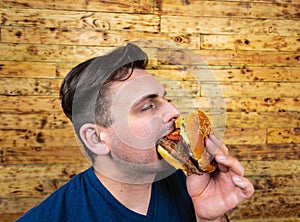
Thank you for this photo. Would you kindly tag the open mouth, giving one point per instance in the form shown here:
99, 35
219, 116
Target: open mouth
184, 148
171, 129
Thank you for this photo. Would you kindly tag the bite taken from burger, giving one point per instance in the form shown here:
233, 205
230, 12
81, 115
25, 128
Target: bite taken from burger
185, 147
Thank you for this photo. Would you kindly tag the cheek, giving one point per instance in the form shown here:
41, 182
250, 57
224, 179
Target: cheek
140, 132
146, 128
140, 129
124, 154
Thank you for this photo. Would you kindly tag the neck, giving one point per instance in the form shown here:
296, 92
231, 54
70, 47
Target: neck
135, 197
124, 172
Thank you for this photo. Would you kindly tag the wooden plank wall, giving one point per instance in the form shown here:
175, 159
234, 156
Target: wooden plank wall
251, 47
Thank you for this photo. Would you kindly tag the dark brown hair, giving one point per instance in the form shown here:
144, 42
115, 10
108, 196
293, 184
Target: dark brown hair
85, 90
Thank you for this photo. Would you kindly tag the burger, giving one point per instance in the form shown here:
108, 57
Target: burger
185, 147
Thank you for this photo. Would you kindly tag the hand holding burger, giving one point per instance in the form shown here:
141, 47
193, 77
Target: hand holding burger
212, 195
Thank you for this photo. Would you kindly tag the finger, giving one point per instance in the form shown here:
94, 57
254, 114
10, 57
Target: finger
211, 147
219, 143
222, 167
215, 145
231, 163
245, 185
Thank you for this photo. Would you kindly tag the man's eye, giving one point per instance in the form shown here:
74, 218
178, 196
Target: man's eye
148, 106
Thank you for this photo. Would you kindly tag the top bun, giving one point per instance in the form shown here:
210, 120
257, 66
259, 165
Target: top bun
198, 128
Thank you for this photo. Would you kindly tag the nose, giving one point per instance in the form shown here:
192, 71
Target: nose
171, 113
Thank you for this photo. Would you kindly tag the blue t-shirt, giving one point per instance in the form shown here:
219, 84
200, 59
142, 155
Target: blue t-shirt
84, 198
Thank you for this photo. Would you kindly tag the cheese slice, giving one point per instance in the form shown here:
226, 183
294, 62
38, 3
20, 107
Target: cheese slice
170, 159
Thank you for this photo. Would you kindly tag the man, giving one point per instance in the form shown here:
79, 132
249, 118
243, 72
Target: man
119, 113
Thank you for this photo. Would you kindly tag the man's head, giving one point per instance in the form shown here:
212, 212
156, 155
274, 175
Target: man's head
118, 110
85, 92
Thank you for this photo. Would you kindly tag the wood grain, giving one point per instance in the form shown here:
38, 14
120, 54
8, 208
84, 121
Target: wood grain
227, 58
133, 6
63, 20
42, 154
251, 42
63, 171
246, 9
240, 104
228, 25
266, 152
26, 86
56, 53
225, 73
262, 119
237, 60
254, 89
278, 202
106, 38
27, 69
284, 135
30, 137
29, 103
38, 120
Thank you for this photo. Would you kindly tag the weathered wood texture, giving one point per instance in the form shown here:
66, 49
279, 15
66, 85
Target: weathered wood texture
238, 60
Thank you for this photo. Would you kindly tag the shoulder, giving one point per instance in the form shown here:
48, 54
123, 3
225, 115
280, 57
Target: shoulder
58, 202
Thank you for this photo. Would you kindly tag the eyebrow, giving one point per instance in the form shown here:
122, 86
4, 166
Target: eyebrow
146, 97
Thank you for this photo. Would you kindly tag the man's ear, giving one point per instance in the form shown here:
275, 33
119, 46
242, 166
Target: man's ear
94, 138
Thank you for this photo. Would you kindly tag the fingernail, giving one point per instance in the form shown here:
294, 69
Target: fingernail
238, 179
222, 157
